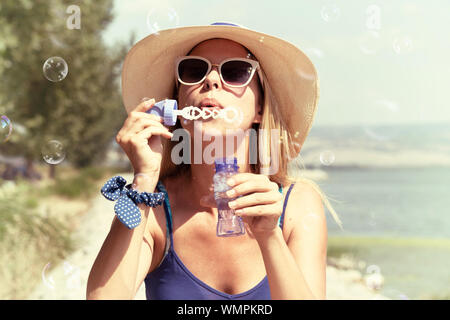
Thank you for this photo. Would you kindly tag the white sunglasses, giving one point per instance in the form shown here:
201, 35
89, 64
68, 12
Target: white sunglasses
234, 72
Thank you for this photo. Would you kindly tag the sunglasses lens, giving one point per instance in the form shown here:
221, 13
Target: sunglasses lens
236, 72
192, 70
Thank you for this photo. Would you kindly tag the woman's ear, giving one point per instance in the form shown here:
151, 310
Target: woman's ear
258, 115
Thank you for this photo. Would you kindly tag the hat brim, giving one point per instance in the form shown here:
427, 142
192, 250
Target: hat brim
148, 70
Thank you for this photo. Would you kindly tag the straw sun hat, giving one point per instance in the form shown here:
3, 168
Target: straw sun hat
148, 70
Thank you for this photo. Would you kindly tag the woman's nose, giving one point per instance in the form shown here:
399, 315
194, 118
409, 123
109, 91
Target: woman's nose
212, 79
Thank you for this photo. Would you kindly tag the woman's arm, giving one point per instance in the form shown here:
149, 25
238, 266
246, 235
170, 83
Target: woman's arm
296, 269
124, 259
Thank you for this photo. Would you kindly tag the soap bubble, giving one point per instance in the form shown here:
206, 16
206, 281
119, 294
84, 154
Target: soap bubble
53, 152
402, 44
330, 13
370, 42
161, 18
309, 221
5, 128
48, 281
55, 69
374, 279
65, 278
327, 157
373, 21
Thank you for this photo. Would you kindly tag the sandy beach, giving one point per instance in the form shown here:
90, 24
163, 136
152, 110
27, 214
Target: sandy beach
67, 281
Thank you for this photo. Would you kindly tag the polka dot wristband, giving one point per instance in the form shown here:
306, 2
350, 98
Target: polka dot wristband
126, 207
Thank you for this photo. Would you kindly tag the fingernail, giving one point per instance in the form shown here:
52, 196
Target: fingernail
230, 182
148, 103
232, 204
231, 193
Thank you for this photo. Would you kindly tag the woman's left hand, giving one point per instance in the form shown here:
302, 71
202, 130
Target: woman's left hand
260, 203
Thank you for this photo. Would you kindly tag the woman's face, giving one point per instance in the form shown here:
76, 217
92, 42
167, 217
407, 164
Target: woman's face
246, 100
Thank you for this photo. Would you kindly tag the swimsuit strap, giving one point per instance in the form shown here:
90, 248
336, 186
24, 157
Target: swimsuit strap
167, 210
281, 219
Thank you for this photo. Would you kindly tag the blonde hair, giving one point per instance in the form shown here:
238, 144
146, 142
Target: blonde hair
272, 119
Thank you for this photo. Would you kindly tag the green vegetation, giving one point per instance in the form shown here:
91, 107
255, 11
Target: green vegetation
80, 185
84, 111
31, 238
338, 244
28, 240
414, 266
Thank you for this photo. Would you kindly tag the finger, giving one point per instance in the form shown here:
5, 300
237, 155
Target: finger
147, 133
269, 210
144, 123
241, 177
254, 199
127, 134
145, 105
135, 117
249, 187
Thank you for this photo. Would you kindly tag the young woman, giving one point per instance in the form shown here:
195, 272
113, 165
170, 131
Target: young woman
175, 249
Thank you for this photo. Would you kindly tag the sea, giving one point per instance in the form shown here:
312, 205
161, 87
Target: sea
396, 220
390, 186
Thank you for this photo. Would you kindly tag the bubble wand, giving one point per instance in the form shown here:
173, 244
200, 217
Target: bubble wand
168, 110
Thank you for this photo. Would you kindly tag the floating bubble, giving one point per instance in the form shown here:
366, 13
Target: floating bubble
55, 69
53, 152
373, 21
327, 157
309, 221
373, 268
48, 281
5, 128
330, 12
374, 279
65, 278
370, 42
162, 18
402, 44
372, 220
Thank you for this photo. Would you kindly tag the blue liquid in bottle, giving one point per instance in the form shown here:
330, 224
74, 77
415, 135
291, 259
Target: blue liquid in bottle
228, 223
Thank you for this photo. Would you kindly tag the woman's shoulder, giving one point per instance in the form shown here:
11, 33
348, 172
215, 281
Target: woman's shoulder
304, 203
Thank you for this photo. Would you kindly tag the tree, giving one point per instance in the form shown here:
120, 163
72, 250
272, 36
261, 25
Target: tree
84, 111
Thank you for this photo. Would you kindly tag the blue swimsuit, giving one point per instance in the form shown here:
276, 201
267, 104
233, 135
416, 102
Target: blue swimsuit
171, 280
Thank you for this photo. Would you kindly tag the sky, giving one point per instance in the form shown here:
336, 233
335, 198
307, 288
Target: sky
379, 62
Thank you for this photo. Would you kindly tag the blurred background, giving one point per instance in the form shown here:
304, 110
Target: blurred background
379, 147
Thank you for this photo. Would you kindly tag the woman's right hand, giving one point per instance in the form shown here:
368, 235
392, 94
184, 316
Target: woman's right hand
140, 138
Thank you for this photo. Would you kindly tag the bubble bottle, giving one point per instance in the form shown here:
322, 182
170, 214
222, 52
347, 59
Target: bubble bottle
228, 223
